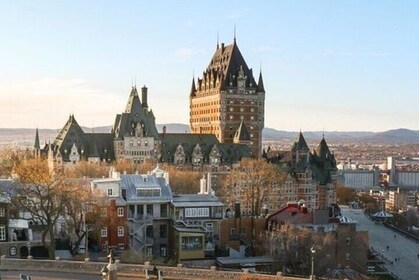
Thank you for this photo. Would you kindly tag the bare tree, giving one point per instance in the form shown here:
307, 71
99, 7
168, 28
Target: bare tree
84, 169
253, 183
291, 245
82, 212
42, 197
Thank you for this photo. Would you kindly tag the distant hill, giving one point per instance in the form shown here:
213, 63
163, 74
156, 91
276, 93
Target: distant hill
24, 137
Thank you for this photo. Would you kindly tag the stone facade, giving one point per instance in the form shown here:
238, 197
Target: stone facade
226, 96
311, 175
135, 271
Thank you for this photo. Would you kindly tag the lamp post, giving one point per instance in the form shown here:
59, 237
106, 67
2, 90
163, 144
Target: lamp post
29, 249
86, 230
313, 252
104, 272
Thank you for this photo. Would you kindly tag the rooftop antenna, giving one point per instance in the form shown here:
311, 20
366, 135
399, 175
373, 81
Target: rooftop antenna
218, 40
135, 80
234, 33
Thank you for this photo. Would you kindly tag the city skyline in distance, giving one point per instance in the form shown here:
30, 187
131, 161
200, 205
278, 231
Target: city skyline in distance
326, 65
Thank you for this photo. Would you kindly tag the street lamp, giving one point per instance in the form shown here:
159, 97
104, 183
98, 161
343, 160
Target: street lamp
313, 252
104, 272
29, 249
86, 229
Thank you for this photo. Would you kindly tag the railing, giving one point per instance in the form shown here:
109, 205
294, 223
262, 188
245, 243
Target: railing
147, 219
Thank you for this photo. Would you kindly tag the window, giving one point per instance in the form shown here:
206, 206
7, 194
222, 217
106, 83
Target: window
2, 233
196, 212
210, 227
105, 247
163, 210
163, 250
163, 231
348, 256
120, 231
104, 232
348, 241
148, 191
109, 192
192, 243
2, 212
150, 209
232, 231
120, 212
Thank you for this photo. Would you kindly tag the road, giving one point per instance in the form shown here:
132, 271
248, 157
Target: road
407, 268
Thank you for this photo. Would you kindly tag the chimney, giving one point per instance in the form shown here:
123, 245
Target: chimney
144, 97
164, 131
222, 47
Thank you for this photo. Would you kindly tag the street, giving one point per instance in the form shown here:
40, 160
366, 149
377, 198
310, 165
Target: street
406, 250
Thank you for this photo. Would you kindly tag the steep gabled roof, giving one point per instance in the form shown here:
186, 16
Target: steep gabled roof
70, 133
135, 116
242, 134
229, 152
224, 68
134, 103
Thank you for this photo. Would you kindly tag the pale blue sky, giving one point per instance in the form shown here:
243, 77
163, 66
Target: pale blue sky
327, 65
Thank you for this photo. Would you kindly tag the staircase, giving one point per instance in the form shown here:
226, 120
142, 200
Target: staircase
137, 231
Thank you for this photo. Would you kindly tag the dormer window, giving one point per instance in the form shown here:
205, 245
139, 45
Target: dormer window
148, 192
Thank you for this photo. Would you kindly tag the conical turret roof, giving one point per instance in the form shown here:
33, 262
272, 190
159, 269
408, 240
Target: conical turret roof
322, 150
193, 88
261, 87
301, 144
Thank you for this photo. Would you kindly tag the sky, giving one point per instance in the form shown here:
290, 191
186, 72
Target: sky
327, 65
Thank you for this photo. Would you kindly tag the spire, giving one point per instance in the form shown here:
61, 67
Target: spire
234, 34
218, 40
193, 88
37, 146
261, 88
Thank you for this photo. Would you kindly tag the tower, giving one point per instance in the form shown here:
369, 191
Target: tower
226, 97
37, 146
135, 133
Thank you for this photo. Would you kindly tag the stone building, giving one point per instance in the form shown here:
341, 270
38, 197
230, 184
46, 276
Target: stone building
134, 137
227, 101
311, 175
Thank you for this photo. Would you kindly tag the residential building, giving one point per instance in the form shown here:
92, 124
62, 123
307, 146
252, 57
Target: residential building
400, 199
196, 220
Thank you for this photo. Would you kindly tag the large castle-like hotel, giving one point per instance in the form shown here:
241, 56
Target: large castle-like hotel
226, 121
